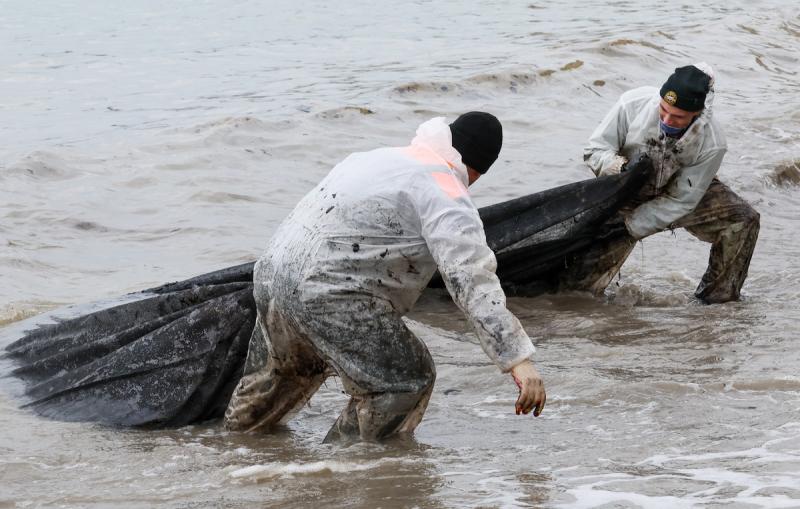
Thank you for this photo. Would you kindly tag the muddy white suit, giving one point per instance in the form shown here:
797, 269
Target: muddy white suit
685, 193
341, 270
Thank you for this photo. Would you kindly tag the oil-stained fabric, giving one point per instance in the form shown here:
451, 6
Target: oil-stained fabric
387, 371
279, 376
731, 225
348, 262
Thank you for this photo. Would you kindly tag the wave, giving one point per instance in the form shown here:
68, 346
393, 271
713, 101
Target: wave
221, 197
42, 165
628, 42
346, 112
786, 174
11, 313
228, 124
248, 133
314, 468
438, 87
625, 47
634, 295
512, 80
790, 28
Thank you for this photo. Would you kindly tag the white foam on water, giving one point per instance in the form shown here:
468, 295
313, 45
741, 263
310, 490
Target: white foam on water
590, 496
762, 454
502, 492
490, 488
468, 472
314, 468
595, 494
489, 415
758, 476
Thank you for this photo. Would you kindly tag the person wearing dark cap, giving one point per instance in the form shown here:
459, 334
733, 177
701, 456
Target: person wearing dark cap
352, 259
675, 126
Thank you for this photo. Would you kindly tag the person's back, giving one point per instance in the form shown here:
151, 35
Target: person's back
359, 230
352, 258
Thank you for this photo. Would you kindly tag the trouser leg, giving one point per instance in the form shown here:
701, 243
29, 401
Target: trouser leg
387, 371
731, 225
282, 372
381, 415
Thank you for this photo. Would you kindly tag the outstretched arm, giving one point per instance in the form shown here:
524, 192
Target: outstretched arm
454, 234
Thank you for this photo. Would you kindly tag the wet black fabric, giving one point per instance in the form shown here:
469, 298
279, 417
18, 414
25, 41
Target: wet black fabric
173, 355
165, 359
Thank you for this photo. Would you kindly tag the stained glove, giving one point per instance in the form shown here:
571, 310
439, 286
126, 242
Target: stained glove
531, 388
614, 167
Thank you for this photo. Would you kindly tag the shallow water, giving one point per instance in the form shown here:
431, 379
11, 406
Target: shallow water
158, 140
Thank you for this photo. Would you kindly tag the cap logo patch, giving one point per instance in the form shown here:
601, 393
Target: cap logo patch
671, 97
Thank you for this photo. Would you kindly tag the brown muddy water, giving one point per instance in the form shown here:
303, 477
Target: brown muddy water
153, 141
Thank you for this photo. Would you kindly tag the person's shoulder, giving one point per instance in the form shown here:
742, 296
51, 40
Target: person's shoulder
715, 136
376, 153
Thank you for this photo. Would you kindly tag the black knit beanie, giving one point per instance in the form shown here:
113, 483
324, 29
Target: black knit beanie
687, 88
478, 137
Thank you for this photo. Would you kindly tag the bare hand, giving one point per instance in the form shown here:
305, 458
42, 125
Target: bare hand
531, 388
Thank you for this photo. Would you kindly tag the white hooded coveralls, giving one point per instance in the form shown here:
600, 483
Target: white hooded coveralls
685, 166
684, 194
354, 256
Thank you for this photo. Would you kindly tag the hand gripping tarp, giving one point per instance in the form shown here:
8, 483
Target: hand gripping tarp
172, 355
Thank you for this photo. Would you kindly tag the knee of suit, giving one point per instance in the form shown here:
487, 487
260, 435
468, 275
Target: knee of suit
426, 384
417, 379
419, 382
751, 221
428, 374
746, 220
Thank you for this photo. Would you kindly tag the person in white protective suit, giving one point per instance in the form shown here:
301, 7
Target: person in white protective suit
676, 128
353, 258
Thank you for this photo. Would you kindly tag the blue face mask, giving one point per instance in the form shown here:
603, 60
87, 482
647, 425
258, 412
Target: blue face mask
672, 132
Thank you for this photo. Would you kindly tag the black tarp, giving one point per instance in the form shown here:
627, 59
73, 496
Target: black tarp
172, 355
